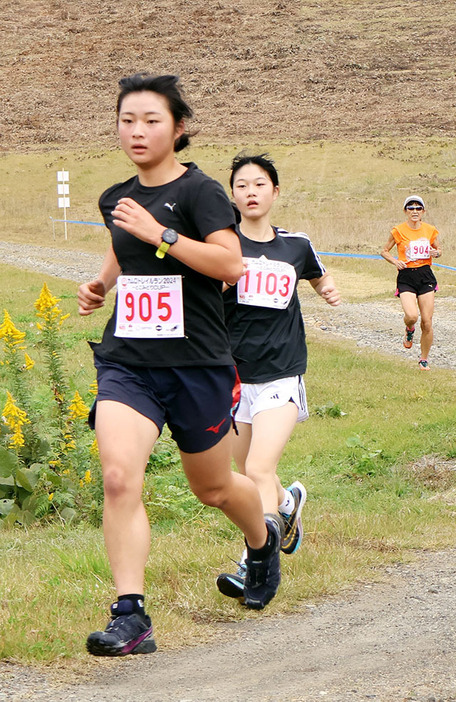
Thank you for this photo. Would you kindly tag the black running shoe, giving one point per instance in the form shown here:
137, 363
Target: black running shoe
293, 525
127, 632
232, 584
262, 578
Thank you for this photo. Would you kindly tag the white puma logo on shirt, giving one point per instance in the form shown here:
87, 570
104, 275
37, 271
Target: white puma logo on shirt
170, 205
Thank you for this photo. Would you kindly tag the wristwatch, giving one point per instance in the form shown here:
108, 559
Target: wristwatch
169, 237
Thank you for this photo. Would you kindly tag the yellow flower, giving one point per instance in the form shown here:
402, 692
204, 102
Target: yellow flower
94, 448
45, 301
93, 388
78, 409
14, 418
29, 362
12, 336
17, 439
47, 308
81, 484
87, 477
50, 496
12, 415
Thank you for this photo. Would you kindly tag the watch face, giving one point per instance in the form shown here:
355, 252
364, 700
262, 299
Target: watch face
169, 236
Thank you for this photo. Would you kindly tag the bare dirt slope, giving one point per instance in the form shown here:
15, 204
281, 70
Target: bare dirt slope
277, 69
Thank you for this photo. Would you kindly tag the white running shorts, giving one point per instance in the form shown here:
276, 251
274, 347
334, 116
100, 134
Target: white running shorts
257, 397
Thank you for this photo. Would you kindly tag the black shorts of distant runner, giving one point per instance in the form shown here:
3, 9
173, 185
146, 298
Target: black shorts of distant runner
416, 280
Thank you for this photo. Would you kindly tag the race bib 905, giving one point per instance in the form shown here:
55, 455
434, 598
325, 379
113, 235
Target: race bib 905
149, 307
266, 283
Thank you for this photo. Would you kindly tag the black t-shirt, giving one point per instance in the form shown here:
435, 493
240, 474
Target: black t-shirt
266, 343
194, 205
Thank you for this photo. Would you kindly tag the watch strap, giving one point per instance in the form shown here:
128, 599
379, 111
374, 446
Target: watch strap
162, 249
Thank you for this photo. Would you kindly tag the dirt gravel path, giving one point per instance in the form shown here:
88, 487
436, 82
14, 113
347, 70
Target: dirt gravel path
389, 641
379, 325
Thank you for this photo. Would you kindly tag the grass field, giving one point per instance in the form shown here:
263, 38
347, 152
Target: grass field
346, 196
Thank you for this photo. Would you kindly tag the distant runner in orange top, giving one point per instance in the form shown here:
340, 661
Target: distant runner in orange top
417, 244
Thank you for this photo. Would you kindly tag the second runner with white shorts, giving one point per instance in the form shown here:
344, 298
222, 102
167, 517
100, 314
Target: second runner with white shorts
267, 337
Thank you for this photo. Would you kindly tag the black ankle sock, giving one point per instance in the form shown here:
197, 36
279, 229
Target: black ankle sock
137, 602
258, 554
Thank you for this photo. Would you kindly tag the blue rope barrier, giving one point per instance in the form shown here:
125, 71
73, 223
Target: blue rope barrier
77, 221
320, 253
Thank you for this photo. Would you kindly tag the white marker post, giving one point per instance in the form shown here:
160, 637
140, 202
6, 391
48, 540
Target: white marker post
63, 190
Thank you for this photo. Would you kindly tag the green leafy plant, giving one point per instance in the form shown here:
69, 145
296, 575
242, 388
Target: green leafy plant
364, 462
49, 463
330, 410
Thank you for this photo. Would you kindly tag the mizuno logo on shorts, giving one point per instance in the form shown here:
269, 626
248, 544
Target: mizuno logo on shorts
217, 427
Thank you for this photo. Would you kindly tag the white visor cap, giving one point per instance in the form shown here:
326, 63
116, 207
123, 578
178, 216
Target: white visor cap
414, 198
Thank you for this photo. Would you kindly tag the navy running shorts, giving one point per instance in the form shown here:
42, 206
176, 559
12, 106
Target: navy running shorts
419, 280
195, 402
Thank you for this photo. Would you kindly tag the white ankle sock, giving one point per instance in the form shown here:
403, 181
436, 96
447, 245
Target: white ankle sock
287, 506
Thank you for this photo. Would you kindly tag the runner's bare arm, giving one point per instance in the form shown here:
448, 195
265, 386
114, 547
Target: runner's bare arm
219, 256
385, 253
326, 288
91, 296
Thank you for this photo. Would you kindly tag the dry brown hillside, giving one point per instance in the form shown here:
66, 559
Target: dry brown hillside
281, 69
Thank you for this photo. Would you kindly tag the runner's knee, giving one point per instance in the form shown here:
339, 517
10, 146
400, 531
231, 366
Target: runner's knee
259, 472
210, 496
410, 319
426, 325
116, 485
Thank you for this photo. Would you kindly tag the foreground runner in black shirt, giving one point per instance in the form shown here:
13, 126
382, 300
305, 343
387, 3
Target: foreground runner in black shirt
165, 354
267, 338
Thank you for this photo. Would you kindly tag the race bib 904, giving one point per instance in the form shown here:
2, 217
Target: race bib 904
149, 307
418, 249
266, 283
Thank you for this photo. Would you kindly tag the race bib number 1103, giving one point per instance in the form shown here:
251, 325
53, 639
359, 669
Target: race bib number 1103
267, 283
149, 307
